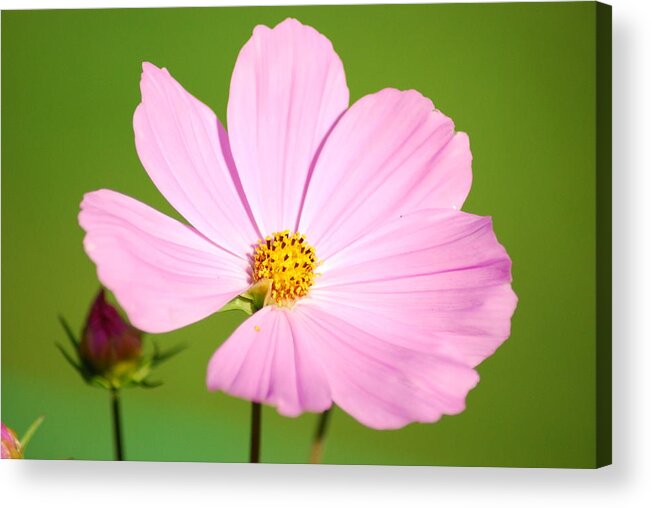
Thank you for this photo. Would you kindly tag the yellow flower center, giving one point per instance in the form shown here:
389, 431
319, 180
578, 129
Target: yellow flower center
288, 262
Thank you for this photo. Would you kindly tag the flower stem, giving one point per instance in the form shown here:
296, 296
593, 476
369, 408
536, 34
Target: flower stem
117, 424
256, 425
319, 437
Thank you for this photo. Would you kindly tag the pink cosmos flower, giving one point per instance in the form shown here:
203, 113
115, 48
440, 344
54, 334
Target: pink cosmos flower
379, 294
10, 445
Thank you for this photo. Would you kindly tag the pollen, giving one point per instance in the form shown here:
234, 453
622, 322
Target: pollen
289, 262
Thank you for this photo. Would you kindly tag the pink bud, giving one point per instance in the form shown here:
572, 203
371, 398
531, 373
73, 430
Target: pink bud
109, 344
11, 448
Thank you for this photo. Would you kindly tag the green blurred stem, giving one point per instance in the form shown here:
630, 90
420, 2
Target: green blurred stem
319, 437
256, 425
117, 424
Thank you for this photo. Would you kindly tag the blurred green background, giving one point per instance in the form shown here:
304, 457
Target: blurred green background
519, 78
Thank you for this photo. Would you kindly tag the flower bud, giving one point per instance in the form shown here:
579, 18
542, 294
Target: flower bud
11, 448
110, 346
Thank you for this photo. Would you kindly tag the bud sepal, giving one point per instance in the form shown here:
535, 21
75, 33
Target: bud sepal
254, 299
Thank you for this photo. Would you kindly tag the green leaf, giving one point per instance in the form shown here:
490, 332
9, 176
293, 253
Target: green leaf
162, 356
148, 383
239, 303
141, 374
71, 361
30, 432
259, 294
102, 382
71, 336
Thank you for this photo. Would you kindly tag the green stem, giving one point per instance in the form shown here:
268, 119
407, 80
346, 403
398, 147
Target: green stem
256, 425
117, 424
319, 437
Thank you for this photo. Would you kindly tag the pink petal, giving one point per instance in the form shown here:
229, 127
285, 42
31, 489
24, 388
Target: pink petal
287, 90
447, 182
435, 281
267, 359
382, 385
185, 151
164, 274
390, 153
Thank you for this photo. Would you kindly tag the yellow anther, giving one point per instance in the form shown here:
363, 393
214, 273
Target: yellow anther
289, 262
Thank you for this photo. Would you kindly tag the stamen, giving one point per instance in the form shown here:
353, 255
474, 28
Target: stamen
289, 262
